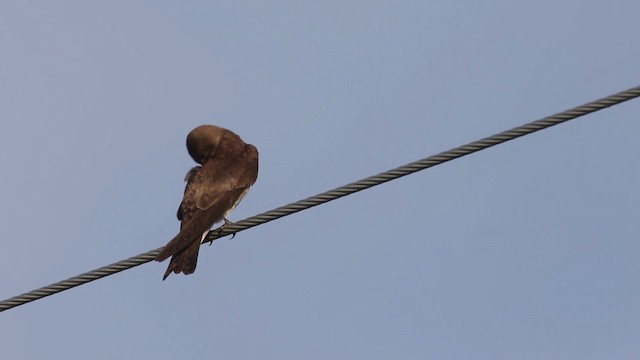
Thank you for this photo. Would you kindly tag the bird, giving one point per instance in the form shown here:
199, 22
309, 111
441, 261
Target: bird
227, 168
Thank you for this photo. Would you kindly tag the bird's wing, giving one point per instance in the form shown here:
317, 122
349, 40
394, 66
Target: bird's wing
188, 178
249, 173
226, 176
203, 204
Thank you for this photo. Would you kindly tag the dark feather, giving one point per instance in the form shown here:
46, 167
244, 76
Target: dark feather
229, 168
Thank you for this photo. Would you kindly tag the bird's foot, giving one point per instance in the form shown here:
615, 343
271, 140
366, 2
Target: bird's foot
226, 223
204, 236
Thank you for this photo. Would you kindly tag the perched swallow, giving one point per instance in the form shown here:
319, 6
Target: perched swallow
228, 167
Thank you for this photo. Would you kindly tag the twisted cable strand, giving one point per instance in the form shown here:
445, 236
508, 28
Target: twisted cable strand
334, 194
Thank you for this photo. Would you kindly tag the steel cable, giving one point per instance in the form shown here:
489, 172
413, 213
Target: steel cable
334, 194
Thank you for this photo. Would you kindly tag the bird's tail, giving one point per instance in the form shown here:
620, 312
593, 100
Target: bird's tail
185, 260
184, 248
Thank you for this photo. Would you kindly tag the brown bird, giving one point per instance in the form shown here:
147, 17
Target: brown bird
228, 168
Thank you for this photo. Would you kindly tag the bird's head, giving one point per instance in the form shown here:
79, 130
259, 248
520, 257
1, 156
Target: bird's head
203, 141
207, 141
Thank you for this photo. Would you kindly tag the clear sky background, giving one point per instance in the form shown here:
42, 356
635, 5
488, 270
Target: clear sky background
528, 250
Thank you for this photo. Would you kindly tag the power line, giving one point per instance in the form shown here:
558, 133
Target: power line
334, 194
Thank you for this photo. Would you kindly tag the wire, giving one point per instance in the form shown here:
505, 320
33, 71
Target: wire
334, 194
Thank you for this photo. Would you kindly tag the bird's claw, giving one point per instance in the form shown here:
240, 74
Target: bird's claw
221, 228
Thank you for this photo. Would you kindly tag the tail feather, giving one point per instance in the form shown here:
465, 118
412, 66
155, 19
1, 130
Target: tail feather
189, 232
177, 244
185, 260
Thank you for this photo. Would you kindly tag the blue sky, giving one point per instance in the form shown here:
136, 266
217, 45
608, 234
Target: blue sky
527, 250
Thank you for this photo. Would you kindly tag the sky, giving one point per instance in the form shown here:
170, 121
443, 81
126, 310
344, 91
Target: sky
527, 250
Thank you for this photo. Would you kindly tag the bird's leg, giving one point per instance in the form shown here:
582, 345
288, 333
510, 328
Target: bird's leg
219, 230
226, 222
204, 236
